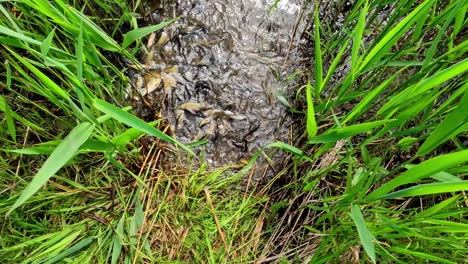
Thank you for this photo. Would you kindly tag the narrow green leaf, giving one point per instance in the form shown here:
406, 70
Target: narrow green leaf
28, 40
44, 78
9, 32
198, 143
426, 189
420, 255
135, 224
406, 143
79, 56
31, 150
369, 98
381, 48
92, 145
61, 155
455, 123
311, 123
446, 177
77, 247
40, 240
318, 55
441, 176
423, 86
9, 117
99, 37
334, 64
58, 246
346, 132
135, 122
45, 45
436, 208
117, 245
277, 144
366, 237
8, 74
129, 135
421, 171
135, 34
357, 38
431, 51
286, 147
3, 108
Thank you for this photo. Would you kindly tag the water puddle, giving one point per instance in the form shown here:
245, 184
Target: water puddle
217, 71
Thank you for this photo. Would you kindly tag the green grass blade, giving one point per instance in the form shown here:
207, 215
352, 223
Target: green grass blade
446, 177
357, 38
98, 36
278, 144
45, 45
31, 150
8, 74
9, 117
286, 147
366, 237
3, 108
455, 123
135, 34
334, 64
346, 132
421, 171
117, 243
135, 122
420, 255
425, 85
382, 47
131, 134
369, 98
426, 189
79, 56
26, 39
459, 18
44, 78
61, 155
47, 148
438, 207
430, 53
318, 55
78, 246
311, 124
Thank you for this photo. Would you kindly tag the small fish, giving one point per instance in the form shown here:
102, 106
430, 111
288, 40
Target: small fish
205, 121
151, 85
211, 131
180, 117
151, 40
193, 108
200, 135
164, 39
227, 114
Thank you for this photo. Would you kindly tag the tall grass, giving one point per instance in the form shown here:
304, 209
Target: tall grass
76, 185
387, 182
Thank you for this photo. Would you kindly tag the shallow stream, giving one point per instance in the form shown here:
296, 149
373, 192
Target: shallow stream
218, 71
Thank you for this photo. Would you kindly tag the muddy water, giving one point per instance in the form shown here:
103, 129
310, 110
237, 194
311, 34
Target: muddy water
222, 67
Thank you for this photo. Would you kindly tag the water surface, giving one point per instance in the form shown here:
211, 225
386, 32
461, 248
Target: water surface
231, 60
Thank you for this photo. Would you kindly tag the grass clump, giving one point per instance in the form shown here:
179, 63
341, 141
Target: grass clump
100, 195
387, 139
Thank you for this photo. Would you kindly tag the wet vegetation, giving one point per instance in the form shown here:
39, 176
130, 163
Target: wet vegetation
376, 167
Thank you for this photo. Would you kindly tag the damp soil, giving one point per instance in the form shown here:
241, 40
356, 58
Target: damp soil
218, 73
